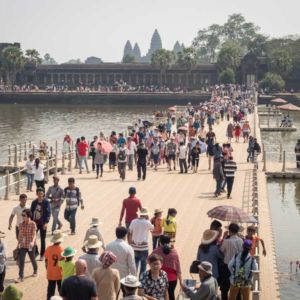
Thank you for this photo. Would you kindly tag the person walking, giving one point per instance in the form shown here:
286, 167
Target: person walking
29, 172
141, 157
107, 279
156, 221
169, 224
155, 151
52, 257
246, 131
26, 244
94, 230
92, 152
122, 154
139, 230
130, 207
218, 176
83, 147
171, 150
195, 156
73, 199
229, 132
41, 212
39, 177
182, 152
77, 154
130, 285
67, 264
250, 149
17, 211
229, 171
132, 148
99, 159
55, 195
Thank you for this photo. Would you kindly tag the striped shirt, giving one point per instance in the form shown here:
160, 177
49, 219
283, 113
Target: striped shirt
230, 168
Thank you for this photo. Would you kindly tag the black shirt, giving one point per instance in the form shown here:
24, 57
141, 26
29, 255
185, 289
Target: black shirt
78, 288
142, 155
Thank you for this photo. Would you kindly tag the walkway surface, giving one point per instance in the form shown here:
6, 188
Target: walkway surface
190, 194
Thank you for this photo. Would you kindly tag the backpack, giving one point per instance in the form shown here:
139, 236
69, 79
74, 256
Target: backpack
239, 279
122, 155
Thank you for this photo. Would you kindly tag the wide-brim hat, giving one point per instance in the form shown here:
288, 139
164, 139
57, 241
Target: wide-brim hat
57, 237
144, 212
130, 281
158, 210
209, 236
206, 267
68, 252
95, 222
92, 242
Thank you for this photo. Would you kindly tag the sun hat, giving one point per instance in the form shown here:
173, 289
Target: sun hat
247, 244
158, 210
68, 252
95, 222
209, 236
57, 237
12, 293
130, 281
144, 212
206, 267
92, 242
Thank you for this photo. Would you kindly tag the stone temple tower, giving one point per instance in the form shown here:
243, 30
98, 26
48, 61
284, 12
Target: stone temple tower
156, 43
136, 52
127, 49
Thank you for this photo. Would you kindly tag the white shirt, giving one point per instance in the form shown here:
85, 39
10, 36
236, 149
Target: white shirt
139, 229
39, 172
92, 261
132, 147
29, 166
230, 247
17, 211
182, 152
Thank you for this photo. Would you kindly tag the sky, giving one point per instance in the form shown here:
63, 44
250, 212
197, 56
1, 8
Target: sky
80, 28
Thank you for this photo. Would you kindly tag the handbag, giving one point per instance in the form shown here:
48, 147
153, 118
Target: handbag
16, 253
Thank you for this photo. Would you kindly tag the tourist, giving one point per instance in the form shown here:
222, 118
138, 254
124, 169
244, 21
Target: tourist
94, 230
107, 279
82, 153
130, 285
246, 131
171, 150
251, 235
154, 282
297, 151
202, 133
195, 157
155, 151
156, 221
208, 287
170, 264
17, 211
52, 257
121, 140
229, 132
130, 207
132, 148
229, 171
73, 199
41, 212
169, 224
217, 226
92, 244
250, 149
92, 152
26, 243
77, 154
237, 132
231, 245
67, 264
98, 159
2, 262
56, 196
241, 267
79, 286
122, 154
139, 230
218, 176
210, 251
39, 177
112, 158
29, 172
210, 141
12, 293
182, 152
67, 144
256, 148
141, 157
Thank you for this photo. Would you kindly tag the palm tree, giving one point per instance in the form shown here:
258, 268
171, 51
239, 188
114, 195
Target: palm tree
162, 59
13, 61
187, 59
33, 56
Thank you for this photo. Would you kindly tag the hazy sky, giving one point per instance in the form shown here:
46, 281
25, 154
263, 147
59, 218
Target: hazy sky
80, 28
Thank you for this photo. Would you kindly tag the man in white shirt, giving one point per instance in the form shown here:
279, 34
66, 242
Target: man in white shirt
182, 151
17, 211
29, 172
131, 145
139, 231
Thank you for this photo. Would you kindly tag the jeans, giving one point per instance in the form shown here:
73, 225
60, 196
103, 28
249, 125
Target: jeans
218, 186
122, 169
130, 161
29, 181
182, 165
141, 257
69, 216
81, 159
99, 167
2, 277
56, 221
171, 289
141, 168
229, 181
43, 233
22, 255
155, 241
51, 287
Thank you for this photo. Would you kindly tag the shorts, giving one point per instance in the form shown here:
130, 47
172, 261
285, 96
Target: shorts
245, 134
155, 158
171, 157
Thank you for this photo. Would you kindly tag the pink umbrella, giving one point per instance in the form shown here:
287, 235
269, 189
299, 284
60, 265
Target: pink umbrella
279, 101
107, 147
289, 107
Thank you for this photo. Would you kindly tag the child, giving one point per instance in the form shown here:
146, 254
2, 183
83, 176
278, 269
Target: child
94, 230
169, 224
67, 265
52, 258
156, 221
2, 262
251, 230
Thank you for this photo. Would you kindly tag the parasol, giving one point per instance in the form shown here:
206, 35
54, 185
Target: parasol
289, 107
230, 213
107, 147
279, 101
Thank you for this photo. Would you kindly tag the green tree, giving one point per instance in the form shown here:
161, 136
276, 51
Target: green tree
162, 59
227, 76
280, 62
229, 56
13, 61
257, 46
128, 59
187, 59
48, 60
32, 56
272, 82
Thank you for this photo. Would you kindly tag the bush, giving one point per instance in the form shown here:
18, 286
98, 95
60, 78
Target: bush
272, 82
227, 76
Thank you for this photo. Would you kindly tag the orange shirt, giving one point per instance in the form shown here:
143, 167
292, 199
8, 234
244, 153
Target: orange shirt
255, 241
53, 256
157, 222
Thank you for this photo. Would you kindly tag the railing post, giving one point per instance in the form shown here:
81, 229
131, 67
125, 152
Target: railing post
280, 152
47, 171
16, 156
20, 152
263, 150
33, 151
63, 171
25, 151
283, 162
268, 122
18, 182
29, 147
51, 151
56, 148
265, 161
9, 155
6, 196
55, 166
70, 161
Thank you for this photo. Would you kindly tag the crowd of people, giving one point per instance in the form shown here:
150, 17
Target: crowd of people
118, 269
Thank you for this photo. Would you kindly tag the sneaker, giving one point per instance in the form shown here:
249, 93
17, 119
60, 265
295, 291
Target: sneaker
73, 233
34, 274
20, 279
